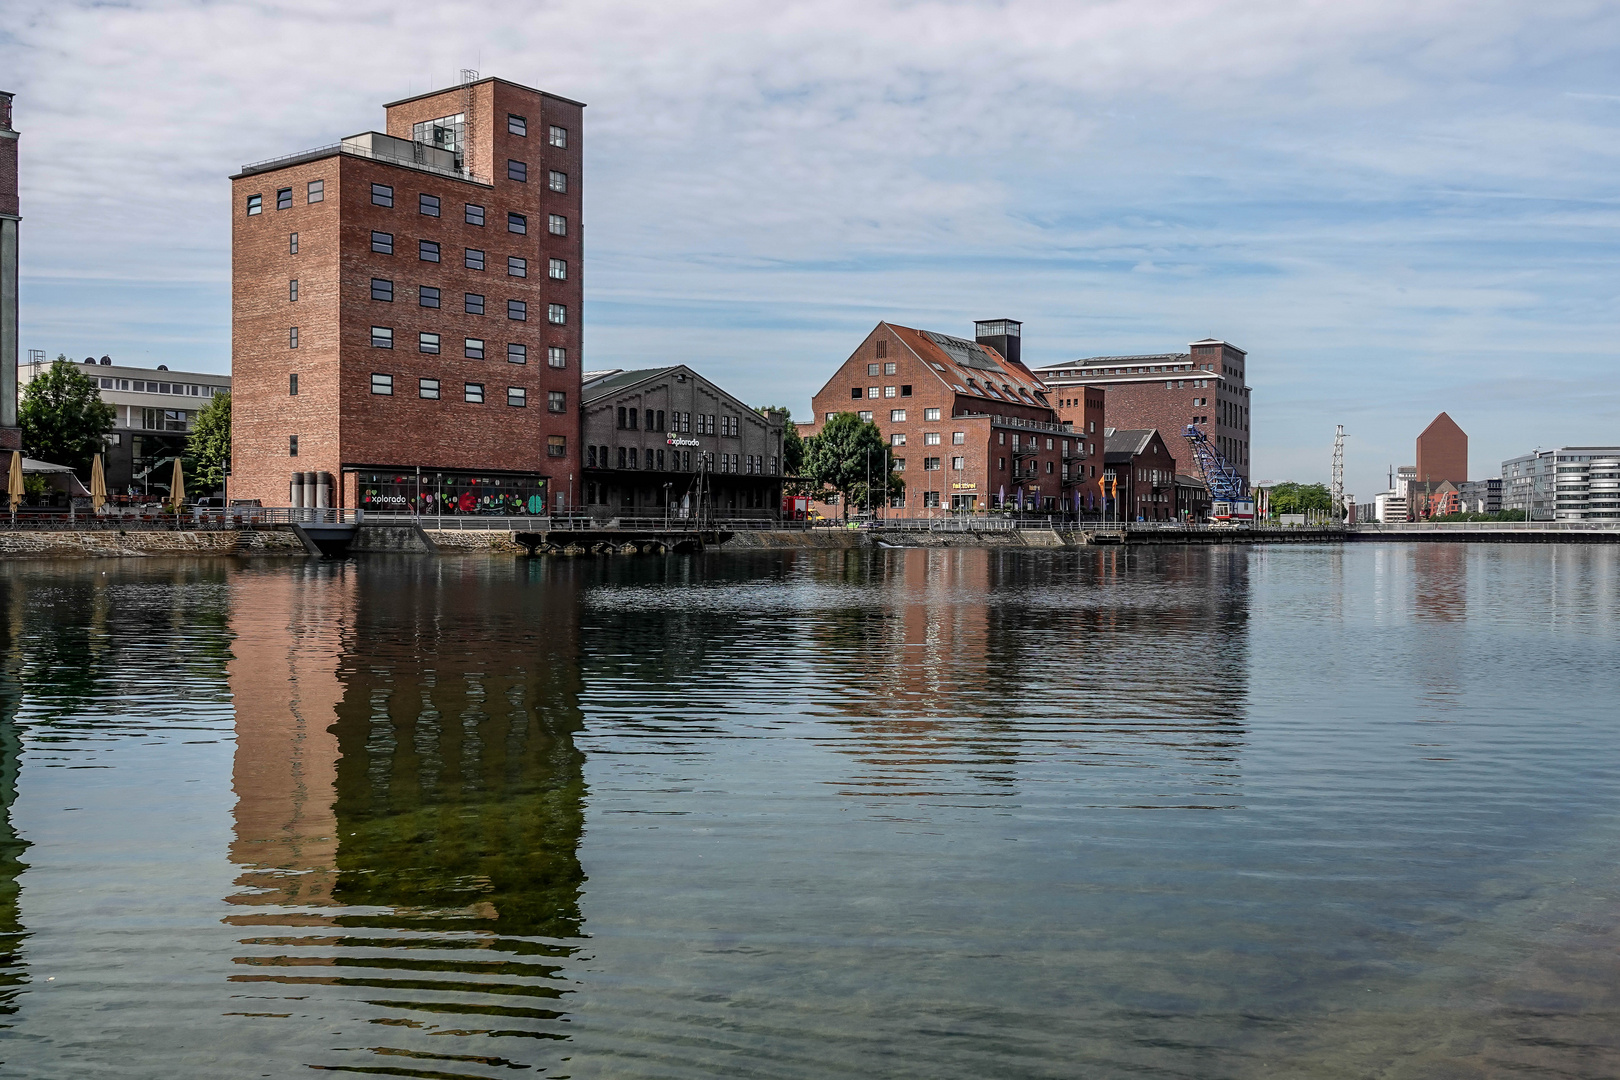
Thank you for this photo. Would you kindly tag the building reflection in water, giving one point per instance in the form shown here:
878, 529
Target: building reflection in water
969, 669
410, 804
13, 975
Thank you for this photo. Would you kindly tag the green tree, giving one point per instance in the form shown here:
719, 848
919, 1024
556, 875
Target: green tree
841, 456
63, 418
209, 444
792, 444
1292, 498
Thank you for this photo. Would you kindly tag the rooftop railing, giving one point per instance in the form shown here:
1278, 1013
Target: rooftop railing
1064, 428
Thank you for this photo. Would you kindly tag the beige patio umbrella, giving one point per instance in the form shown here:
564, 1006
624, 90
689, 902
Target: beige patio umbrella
98, 486
177, 487
14, 483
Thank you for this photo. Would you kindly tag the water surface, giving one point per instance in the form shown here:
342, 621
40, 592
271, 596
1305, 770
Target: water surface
1209, 812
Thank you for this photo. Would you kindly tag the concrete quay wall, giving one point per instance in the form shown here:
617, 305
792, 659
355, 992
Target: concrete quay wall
137, 543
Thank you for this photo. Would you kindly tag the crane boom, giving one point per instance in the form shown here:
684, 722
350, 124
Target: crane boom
1223, 481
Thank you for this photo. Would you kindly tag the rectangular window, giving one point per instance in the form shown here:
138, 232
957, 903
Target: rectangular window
475, 214
428, 250
556, 401
427, 296
516, 267
428, 343
897, 416
897, 439
557, 225
905, 389
292, 243
957, 463
516, 125
292, 385
382, 289
864, 415
557, 356
559, 270
872, 391
517, 310
557, 446
517, 397
931, 438
517, 170
931, 499
899, 464
872, 369
382, 384
930, 414
382, 337
292, 291
284, 198
473, 303
428, 204
635, 419
292, 337
888, 369
621, 457
855, 392
558, 136
888, 391
958, 437
428, 388
474, 259
382, 195
473, 393
474, 348
882, 349
517, 223
557, 314
316, 192
557, 181
255, 205
517, 354
930, 464
292, 446
382, 243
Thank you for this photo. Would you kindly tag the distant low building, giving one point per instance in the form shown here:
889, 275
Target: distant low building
154, 409
1481, 496
1527, 484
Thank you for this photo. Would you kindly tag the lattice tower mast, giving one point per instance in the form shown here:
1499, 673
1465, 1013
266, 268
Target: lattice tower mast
1338, 474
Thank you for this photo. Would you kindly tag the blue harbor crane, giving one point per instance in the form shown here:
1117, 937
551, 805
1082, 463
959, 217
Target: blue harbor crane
1228, 494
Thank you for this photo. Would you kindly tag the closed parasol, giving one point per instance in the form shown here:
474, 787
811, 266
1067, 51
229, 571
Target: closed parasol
98, 486
14, 482
177, 487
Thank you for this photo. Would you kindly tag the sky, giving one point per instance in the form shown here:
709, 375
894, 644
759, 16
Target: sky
1396, 208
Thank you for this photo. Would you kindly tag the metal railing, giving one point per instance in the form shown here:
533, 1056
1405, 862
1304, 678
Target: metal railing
1488, 526
1018, 422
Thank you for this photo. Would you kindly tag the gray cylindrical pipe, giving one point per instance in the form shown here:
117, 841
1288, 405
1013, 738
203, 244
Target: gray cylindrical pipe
323, 489
309, 489
295, 490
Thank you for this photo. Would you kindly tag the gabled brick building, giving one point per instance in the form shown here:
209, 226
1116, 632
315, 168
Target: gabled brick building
406, 308
1142, 472
969, 427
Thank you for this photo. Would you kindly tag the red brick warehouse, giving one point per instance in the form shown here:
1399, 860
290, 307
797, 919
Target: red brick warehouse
408, 305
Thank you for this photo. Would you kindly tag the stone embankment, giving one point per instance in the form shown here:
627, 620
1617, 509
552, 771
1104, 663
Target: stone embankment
138, 543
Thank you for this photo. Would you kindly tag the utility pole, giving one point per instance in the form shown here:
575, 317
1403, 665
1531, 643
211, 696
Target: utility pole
1338, 475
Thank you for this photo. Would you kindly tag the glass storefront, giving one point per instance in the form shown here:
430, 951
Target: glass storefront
497, 494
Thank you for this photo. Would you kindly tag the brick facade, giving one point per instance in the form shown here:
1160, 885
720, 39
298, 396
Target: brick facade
372, 439
968, 430
1442, 454
1140, 463
1205, 386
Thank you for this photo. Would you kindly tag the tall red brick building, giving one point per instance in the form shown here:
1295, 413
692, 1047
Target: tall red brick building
1442, 453
406, 308
10, 220
1167, 391
969, 427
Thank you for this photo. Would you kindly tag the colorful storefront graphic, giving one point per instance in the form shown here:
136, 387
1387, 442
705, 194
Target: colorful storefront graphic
438, 493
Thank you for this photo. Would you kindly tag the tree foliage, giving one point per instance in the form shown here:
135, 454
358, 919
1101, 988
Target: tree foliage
63, 418
209, 444
841, 455
1292, 498
1475, 515
792, 444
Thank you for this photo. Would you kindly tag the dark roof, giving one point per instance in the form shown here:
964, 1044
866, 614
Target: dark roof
491, 78
612, 384
1092, 361
1129, 442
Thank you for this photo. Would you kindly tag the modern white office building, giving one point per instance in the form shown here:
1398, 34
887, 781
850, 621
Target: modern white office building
154, 407
1569, 483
